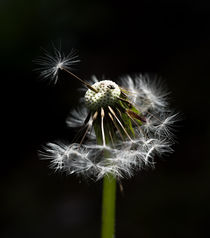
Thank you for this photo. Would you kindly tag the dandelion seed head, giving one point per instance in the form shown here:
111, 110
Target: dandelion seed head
107, 94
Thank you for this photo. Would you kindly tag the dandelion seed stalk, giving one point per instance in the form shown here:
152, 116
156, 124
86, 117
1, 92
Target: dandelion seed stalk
108, 207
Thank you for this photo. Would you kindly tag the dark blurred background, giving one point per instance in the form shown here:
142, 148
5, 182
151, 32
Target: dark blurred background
170, 39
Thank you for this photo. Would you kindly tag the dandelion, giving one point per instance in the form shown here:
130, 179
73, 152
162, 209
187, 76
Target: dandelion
122, 126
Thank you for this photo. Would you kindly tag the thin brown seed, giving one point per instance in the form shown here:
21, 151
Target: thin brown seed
102, 126
135, 115
115, 124
82, 81
110, 135
132, 115
136, 125
86, 131
113, 113
95, 116
124, 100
78, 134
89, 125
147, 112
119, 112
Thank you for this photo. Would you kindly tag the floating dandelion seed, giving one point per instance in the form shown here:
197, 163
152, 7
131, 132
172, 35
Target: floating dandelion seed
50, 64
123, 125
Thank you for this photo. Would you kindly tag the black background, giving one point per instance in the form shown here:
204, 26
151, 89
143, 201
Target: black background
170, 39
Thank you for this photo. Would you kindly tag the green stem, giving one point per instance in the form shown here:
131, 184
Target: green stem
108, 207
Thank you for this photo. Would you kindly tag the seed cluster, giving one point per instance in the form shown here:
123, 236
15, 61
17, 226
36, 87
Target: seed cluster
107, 94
